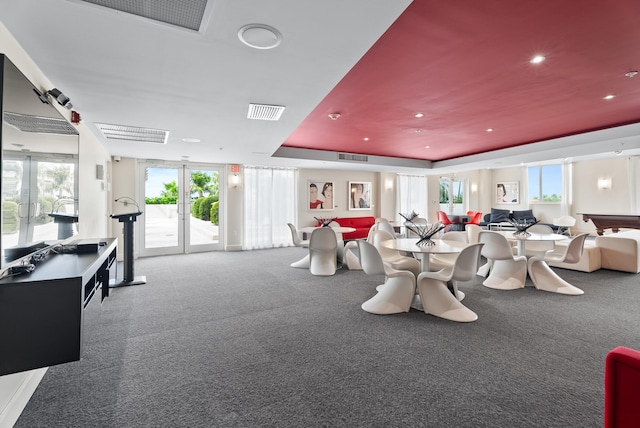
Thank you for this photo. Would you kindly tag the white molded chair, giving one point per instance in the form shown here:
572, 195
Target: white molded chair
296, 238
386, 226
397, 292
352, 259
564, 223
473, 231
440, 261
393, 257
323, 252
506, 271
303, 263
435, 296
544, 278
538, 248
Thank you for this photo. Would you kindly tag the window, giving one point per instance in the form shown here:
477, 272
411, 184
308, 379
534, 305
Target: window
545, 183
452, 196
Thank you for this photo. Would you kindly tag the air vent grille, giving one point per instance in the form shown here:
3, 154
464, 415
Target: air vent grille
130, 133
185, 13
37, 124
265, 112
353, 158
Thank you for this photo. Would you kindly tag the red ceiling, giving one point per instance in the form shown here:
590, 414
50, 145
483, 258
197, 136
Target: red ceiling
465, 65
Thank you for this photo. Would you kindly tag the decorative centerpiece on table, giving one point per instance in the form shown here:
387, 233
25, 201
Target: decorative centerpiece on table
522, 226
409, 217
325, 221
424, 231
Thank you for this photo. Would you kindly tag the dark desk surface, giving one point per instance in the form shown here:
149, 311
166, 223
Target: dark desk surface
64, 266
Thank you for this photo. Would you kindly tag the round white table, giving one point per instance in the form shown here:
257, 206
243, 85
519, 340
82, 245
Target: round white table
532, 237
440, 247
438, 300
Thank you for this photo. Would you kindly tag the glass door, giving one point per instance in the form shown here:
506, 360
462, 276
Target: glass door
38, 198
181, 208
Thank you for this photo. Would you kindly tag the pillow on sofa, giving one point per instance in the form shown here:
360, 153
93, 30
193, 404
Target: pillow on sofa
525, 215
498, 216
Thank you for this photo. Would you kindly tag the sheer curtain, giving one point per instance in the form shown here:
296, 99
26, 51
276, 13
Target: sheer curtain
269, 204
566, 203
412, 195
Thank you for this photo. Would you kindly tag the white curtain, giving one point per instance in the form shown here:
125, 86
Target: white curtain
412, 195
269, 204
566, 203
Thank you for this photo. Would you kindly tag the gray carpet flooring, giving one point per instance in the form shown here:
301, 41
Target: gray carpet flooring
241, 339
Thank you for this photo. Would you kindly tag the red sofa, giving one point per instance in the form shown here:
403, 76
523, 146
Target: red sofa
361, 224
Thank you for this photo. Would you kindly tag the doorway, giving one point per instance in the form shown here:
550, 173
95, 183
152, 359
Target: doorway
181, 208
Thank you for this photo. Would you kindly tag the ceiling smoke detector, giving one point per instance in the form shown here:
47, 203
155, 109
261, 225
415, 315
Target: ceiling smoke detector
334, 116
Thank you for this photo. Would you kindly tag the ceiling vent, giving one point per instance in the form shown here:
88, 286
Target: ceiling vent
41, 125
353, 158
130, 133
185, 14
265, 112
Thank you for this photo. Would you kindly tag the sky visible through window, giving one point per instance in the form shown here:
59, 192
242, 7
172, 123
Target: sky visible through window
551, 181
156, 178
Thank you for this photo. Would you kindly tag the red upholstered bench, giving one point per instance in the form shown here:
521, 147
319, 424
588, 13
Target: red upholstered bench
622, 388
361, 224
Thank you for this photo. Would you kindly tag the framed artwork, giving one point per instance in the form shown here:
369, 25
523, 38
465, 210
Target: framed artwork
320, 195
359, 195
508, 192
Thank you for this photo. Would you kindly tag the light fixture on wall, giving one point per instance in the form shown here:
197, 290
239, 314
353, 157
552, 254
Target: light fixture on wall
235, 180
388, 184
604, 183
474, 187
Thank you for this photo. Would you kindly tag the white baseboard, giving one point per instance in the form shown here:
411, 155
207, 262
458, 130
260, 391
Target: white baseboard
17, 389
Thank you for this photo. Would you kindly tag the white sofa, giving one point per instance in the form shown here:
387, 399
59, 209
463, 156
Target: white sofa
620, 251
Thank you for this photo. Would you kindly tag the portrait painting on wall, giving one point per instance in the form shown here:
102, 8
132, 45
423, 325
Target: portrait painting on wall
320, 195
359, 195
508, 192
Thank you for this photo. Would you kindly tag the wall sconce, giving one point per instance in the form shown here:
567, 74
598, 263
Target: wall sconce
235, 180
604, 183
474, 187
388, 184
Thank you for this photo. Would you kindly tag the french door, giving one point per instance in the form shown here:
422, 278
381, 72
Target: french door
181, 210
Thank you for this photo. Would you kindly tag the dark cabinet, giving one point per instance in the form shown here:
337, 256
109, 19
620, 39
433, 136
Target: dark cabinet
42, 312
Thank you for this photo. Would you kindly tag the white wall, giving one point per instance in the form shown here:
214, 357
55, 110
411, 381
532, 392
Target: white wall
340, 181
16, 389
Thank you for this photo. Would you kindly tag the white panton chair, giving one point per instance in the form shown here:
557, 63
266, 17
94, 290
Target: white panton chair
506, 272
393, 257
323, 252
544, 278
397, 292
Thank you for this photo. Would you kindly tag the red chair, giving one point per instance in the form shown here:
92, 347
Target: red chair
622, 388
474, 217
444, 219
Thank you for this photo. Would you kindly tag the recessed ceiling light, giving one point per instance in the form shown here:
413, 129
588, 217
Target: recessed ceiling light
537, 59
260, 36
366, 138
489, 129
419, 114
418, 131
631, 73
191, 140
609, 97
427, 147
